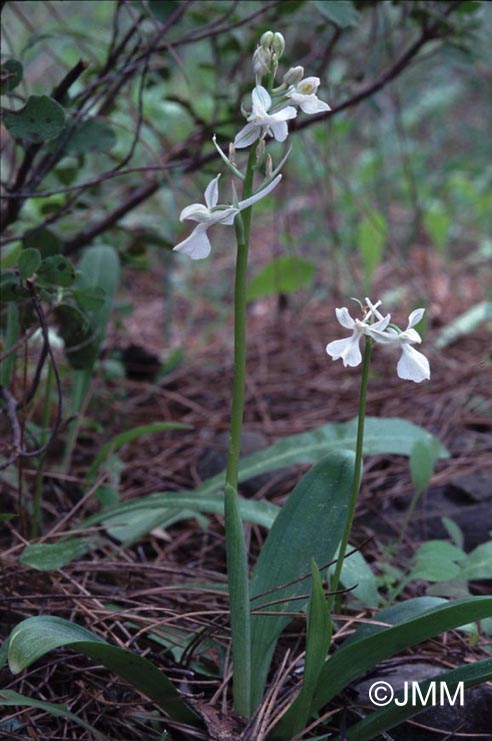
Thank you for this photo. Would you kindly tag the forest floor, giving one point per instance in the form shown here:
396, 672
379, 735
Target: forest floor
292, 387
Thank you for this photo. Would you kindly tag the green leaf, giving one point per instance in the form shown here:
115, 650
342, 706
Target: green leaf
50, 556
342, 12
285, 274
11, 74
392, 715
11, 698
318, 639
423, 456
478, 563
116, 442
437, 560
309, 525
357, 573
371, 239
41, 119
57, 270
93, 135
382, 436
29, 262
372, 644
36, 636
43, 239
464, 324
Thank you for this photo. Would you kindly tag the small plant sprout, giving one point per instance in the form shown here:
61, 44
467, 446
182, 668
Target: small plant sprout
412, 366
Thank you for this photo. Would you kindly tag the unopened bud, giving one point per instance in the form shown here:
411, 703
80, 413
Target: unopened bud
278, 44
293, 75
261, 62
266, 40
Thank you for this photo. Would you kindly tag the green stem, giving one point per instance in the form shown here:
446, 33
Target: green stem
358, 465
38, 484
237, 557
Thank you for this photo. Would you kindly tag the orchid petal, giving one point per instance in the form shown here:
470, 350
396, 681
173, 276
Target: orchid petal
248, 135
344, 318
348, 350
260, 194
415, 317
261, 98
212, 192
279, 130
413, 365
197, 245
195, 212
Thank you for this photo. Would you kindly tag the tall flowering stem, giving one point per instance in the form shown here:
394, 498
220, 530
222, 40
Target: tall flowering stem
237, 557
366, 362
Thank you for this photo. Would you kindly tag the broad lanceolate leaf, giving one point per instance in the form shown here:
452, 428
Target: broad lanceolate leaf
318, 639
392, 715
11, 698
36, 636
309, 525
41, 119
49, 556
375, 643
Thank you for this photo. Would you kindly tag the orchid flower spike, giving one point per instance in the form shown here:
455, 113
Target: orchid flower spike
261, 122
349, 349
412, 365
303, 94
197, 245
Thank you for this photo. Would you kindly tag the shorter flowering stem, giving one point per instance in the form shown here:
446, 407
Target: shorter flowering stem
358, 464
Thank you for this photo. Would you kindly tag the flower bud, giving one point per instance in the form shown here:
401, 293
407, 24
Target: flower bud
278, 44
261, 62
293, 75
266, 40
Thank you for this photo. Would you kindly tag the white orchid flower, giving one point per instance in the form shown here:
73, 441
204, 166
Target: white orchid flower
261, 122
197, 245
304, 95
349, 349
413, 365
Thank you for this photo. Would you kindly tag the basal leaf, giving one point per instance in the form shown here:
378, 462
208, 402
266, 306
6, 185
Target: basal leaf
34, 637
309, 526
